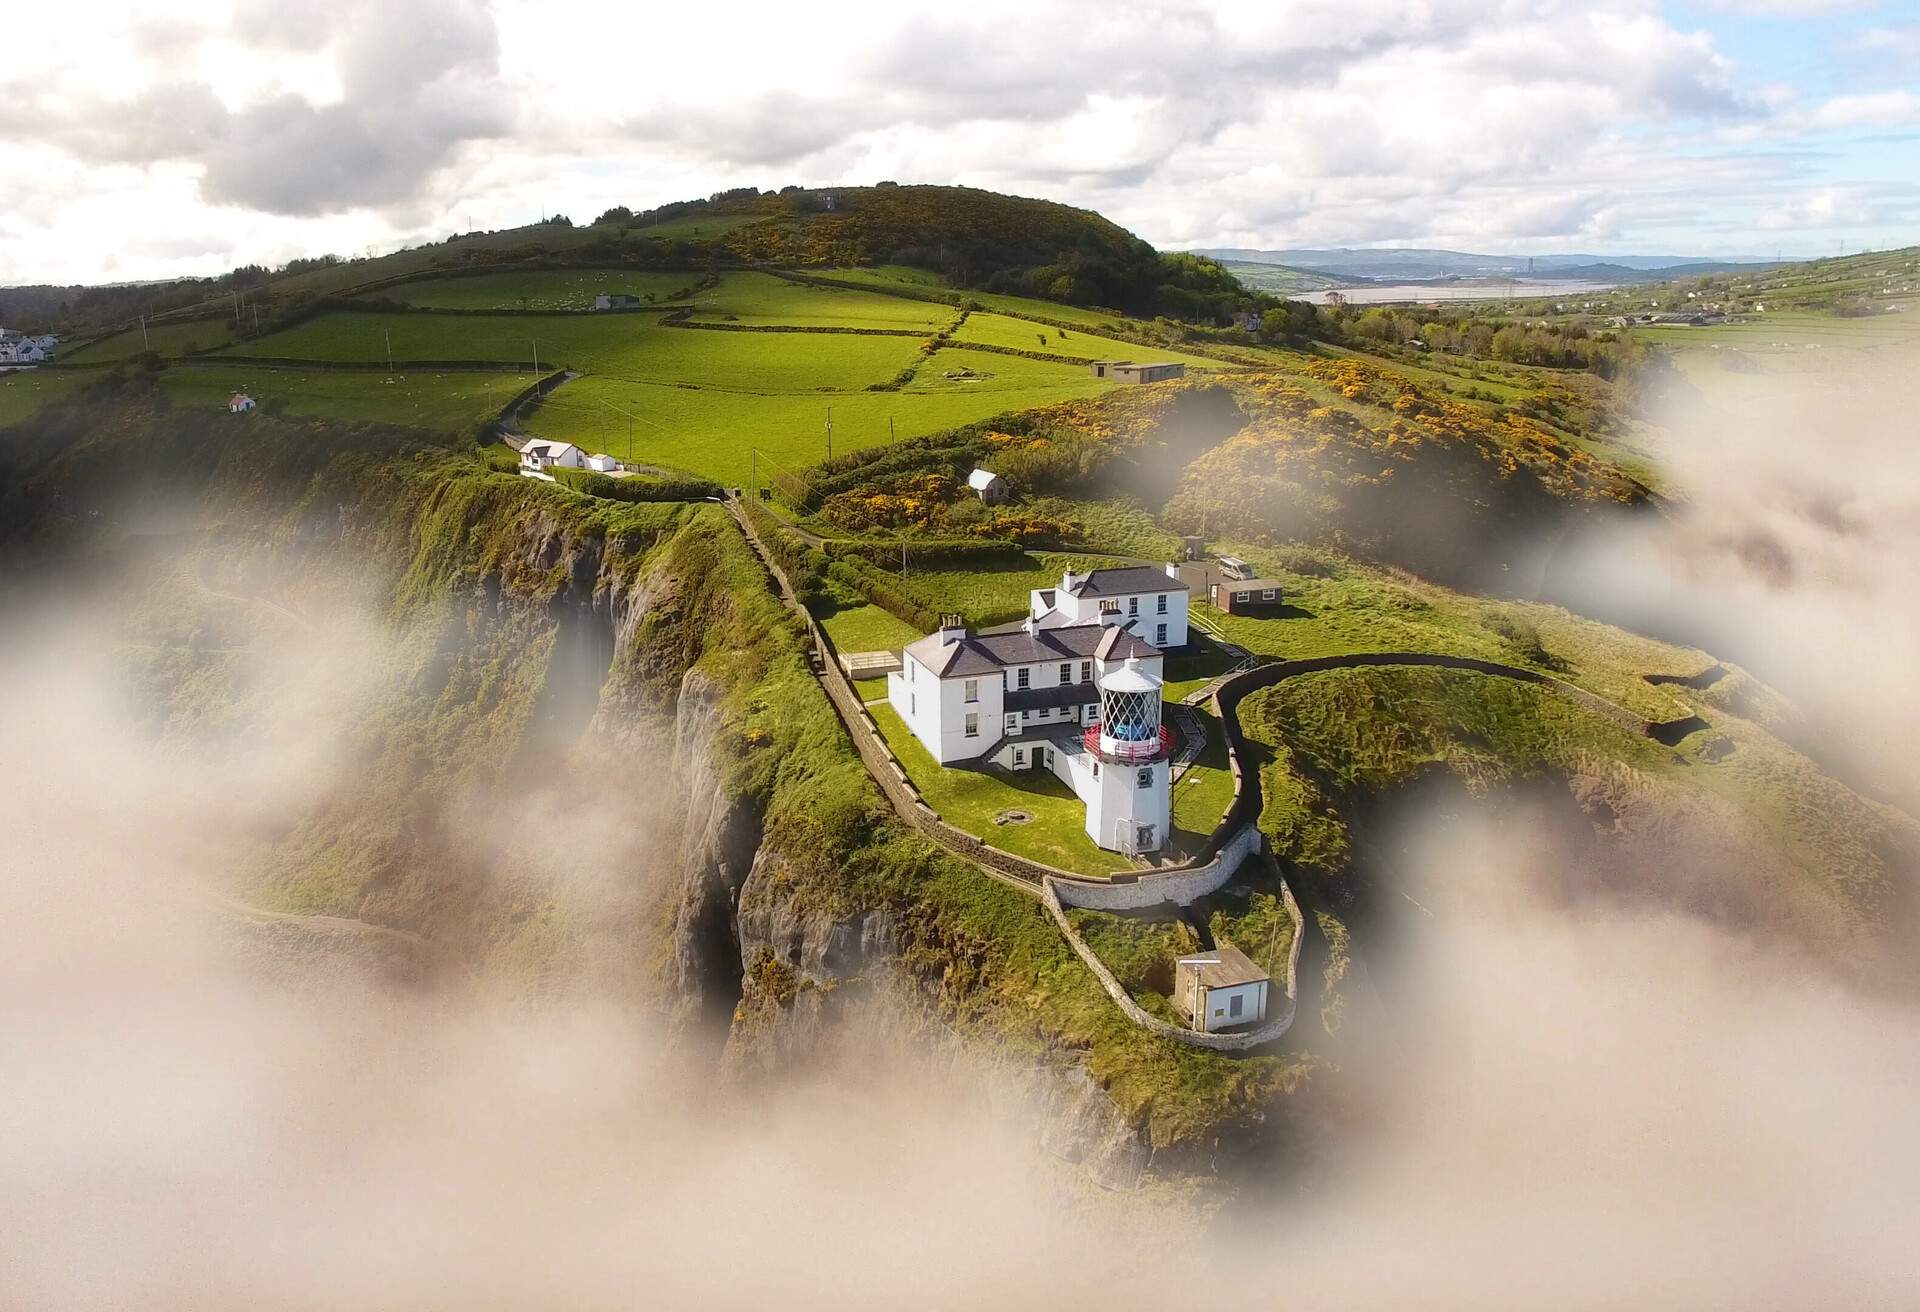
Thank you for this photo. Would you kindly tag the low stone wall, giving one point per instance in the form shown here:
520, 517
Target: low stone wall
1152, 887
1239, 1041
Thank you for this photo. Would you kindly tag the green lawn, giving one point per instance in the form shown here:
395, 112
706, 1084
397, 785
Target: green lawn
544, 289
994, 592
761, 298
167, 339
1203, 793
447, 402
1794, 331
970, 799
24, 391
1026, 335
867, 628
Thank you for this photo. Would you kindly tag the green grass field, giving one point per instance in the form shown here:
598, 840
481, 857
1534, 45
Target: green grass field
166, 339
713, 432
629, 346
546, 289
969, 800
446, 402
1026, 335
1793, 331
761, 298
24, 391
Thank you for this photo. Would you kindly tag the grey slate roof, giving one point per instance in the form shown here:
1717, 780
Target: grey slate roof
1223, 967
1252, 585
988, 653
1061, 694
1126, 581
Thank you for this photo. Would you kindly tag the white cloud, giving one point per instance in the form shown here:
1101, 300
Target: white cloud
300, 127
1872, 109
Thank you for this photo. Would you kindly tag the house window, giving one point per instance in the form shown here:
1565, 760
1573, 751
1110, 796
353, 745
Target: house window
1133, 605
973, 690
1013, 723
1066, 671
1086, 671
1160, 604
1096, 767
973, 724
1019, 758
913, 703
1267, 595
1146, 776
1159, 635
1025, 679
1234, 1005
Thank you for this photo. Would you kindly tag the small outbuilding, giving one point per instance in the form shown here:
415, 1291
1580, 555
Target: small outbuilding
616, 301
1220, 990
602, 463
239, 403
1246, 596
990, 487
1126, 371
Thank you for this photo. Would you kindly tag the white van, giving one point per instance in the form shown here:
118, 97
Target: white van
1235, 568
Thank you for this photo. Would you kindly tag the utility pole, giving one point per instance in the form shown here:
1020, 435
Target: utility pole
829, 432
389, 333
889, 428
536, 357
145, 344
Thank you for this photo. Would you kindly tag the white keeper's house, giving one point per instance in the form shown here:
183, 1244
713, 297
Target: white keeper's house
1079, 700
1149, 603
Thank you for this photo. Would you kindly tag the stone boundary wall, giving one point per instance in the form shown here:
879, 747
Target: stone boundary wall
1179, 885
1272, 1029
538, 389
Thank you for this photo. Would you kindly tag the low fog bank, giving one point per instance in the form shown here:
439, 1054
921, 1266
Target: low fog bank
1554, 1103
1793, 548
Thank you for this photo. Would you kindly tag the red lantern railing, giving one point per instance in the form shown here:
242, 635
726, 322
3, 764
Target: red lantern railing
1128, 752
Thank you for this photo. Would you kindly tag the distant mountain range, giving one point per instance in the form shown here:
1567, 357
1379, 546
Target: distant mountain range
1415, 264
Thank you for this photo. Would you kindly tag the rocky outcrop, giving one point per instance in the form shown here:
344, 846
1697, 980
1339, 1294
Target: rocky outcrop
719, 841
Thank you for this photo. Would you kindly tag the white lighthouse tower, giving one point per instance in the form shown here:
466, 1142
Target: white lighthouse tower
1128, 806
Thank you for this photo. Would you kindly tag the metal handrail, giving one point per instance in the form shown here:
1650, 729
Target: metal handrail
1128, 752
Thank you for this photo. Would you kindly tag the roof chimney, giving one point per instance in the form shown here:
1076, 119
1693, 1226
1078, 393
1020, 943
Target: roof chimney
1067, 581
952, 630
1173, 569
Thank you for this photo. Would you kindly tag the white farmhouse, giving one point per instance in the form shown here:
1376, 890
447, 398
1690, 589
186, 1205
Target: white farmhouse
1149, 603
1221, 989
1080, 700
540, 456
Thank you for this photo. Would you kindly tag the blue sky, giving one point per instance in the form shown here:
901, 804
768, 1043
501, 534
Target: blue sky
169, 137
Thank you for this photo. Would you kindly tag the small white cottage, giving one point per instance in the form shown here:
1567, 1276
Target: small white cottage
602, 463
239, 403
989, 487
1221, 989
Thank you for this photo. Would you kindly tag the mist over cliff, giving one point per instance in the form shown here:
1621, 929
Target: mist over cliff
529, 1055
